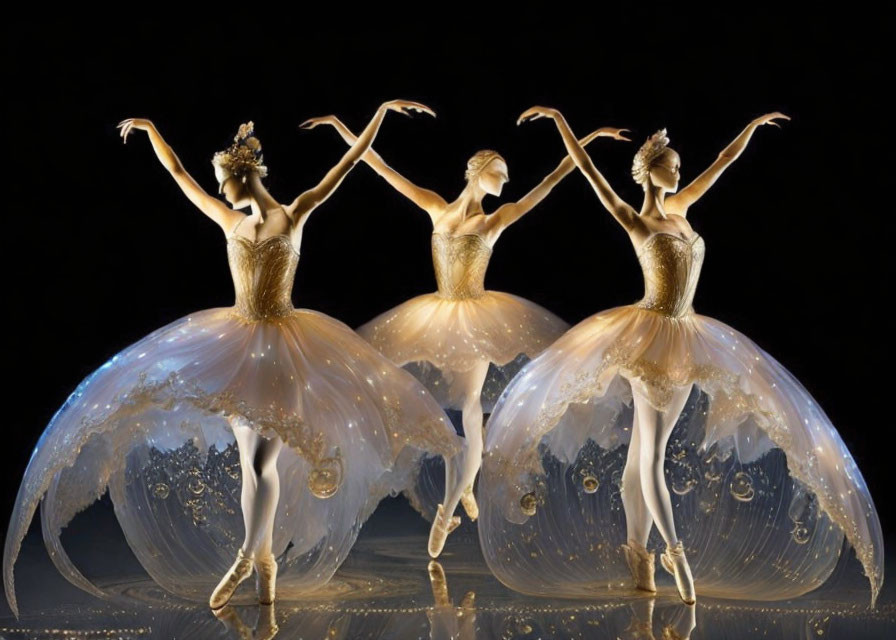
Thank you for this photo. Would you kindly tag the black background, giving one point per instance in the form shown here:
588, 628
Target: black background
100, 247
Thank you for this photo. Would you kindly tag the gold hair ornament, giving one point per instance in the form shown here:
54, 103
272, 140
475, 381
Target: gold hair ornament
649, 151
244, 155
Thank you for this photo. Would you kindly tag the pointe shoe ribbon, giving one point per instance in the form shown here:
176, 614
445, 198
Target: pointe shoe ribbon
240, 570
675, 562
641, 564
266, 578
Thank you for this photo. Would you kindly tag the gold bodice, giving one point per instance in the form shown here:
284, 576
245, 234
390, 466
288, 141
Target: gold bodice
263, 273
671, 267
460, 263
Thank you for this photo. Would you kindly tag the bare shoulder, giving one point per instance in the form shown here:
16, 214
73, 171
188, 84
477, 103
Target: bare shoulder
229, 219
676, 206
299, 208
444, 215
637, 229
448, 218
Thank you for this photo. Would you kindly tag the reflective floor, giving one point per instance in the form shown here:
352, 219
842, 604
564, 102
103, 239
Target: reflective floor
388, 588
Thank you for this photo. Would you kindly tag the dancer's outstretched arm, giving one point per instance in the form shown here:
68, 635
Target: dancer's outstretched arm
308, 201
428, 200
622, 211
509, 213
224, 216
680, 202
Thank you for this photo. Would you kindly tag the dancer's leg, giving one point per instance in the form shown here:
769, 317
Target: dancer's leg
471, 383
248, 442
260, 487
638, 520
654, 429
472, 419
450, 474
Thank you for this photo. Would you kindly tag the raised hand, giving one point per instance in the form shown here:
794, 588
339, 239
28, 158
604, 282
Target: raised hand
680, 202
769, 118
605, 132
427, 200
401, 106
310, 123
131, 124
535, 113
511, 212
360, 148
407, 106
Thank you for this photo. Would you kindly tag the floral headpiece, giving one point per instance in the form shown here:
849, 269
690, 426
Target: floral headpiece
244, 155
648, 152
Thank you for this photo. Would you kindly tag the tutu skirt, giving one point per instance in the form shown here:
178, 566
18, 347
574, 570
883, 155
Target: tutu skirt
763, 488
441, 337
152, 426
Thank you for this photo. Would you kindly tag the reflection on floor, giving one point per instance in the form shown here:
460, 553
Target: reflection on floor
388, 588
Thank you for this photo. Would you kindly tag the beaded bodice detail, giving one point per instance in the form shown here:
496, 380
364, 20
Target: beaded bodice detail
460, 263
671, 267
263, 273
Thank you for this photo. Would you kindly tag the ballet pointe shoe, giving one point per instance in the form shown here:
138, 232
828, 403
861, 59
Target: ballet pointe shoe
468, 500
675, 562
266, 578
240, 570
641, 564
441, 527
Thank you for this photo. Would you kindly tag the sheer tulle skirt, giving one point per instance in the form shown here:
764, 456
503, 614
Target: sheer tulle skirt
441, 339
763, 488
152, 426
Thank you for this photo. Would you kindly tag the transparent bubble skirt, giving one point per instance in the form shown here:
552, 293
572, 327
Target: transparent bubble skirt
152, 426
763, 488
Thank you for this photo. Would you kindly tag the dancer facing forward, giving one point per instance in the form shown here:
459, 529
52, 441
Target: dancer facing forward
767, 522
463, 328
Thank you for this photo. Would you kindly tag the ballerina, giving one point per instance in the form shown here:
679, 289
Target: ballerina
463, 329
625, 376
325, 426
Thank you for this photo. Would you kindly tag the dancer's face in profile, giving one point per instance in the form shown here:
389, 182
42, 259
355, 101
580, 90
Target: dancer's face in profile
664, 171
493, 176
233, 189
